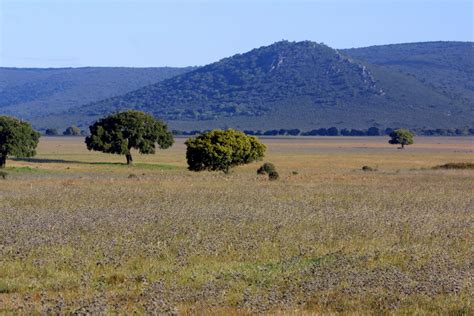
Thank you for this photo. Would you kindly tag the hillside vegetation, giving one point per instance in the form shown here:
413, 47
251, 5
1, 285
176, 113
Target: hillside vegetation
35, 92
304, 85
307, 84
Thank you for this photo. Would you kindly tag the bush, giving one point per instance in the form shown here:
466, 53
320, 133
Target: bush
72, 131
266, 168
219, 150
51, 132
269, 168
456, 165
3, 175
368, 168
273, 175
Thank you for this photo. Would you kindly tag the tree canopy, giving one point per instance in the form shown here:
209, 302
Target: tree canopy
121, 132
220, 150
402, 137
17, 138
72, 131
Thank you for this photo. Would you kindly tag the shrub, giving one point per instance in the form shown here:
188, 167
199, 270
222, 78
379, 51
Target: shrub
456, 165
368, 168
3, 175
266, 168
219, 150
72, 131
51, 132
273, 175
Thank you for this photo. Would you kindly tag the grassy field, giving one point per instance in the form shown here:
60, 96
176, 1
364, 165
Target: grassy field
80, 232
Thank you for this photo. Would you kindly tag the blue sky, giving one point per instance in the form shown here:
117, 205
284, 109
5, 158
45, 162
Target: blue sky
145, 33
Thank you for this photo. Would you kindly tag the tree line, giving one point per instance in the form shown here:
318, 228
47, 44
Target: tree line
334, 131
122, 132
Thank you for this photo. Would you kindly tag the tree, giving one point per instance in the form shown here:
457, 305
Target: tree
121, 132
51, 132
332, 131
17, 138
373, 131
72, 131
220, 150
401, 136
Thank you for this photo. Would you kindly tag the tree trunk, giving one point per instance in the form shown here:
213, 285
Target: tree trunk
3, 161
403, 146
129, 159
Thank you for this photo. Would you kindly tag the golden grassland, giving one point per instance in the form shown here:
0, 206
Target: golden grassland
80, 232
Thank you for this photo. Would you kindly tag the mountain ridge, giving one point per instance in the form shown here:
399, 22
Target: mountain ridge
306, 85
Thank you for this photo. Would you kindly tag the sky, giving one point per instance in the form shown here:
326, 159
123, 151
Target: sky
146, 33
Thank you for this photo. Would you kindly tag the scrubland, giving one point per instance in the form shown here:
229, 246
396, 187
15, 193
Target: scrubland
80, 232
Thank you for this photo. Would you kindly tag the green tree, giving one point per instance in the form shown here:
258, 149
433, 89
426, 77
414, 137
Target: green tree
402, 137
120, 133
17, 138
51, 132
72, 131
220, 150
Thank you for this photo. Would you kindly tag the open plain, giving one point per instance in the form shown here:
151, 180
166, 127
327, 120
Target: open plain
81, 232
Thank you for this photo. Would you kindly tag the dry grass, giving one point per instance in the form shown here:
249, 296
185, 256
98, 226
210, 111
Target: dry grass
81, 236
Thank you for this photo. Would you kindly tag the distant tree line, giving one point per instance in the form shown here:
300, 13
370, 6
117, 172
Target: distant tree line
334, 131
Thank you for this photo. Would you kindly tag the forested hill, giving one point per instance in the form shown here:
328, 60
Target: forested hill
448, 66
302, 85
35, 92
306, 85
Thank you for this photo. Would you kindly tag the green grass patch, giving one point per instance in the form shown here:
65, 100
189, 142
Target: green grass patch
26, 169
147, 166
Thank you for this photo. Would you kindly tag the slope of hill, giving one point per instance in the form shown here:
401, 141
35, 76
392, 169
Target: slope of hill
447, 66
32, 92
302, 85
306, 85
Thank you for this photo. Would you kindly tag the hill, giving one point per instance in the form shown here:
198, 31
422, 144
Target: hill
302, 85
34, 92
307, 85
447, 66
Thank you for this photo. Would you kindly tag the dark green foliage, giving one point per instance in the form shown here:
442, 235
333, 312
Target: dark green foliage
456, 165
17, 138
51, 132
120, 133
266, 168
401, 137
219, 150
72, 131
332, 131
373, 131
273, 175
269, 169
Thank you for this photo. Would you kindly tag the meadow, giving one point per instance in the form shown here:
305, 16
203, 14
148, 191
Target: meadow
81, 232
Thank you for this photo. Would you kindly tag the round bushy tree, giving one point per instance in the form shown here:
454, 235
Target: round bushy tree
72, 131
121, 132
17, 138
220, 150
402, 137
